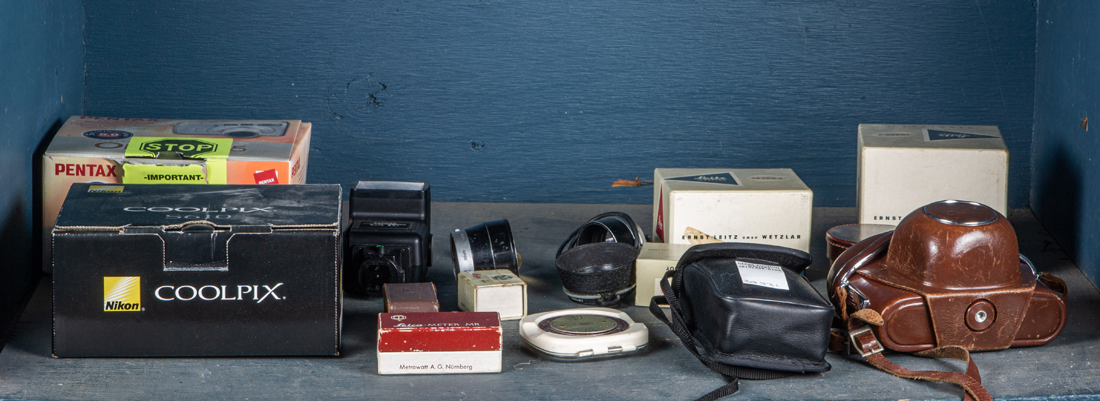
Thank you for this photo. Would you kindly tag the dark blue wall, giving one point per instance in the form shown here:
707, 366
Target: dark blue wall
41, 84
524, 101
1066, 170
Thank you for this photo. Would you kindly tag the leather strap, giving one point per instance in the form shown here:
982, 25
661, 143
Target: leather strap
866, 344
1055, 284
730, 373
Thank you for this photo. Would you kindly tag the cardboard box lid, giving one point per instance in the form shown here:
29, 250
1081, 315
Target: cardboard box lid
931, 136
662, 251
498, 277
83, 136
717, 179
133, 205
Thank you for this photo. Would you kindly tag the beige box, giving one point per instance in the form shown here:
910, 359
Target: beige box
765, 206
102, 150
904, 167
653, 261
498, 291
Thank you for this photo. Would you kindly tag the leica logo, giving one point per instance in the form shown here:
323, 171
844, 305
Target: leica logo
398, 317
711, 178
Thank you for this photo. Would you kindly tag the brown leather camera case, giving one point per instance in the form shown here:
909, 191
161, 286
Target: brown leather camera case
950, 275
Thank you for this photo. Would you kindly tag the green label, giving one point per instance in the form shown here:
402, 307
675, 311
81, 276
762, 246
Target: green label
159, 174
159, 147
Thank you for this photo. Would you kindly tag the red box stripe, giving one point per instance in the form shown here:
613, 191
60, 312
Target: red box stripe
439, 331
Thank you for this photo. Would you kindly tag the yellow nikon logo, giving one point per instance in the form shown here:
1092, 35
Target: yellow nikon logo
122, 294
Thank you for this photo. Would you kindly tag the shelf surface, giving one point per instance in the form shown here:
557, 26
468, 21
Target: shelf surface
1059, 370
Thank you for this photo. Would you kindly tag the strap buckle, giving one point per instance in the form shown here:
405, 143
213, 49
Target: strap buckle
855, 343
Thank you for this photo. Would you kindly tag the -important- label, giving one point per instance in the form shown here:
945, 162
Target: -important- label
762, 275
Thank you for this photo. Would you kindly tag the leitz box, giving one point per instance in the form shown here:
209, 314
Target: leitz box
903, 167
188, 270
145, 151
766, 206
653, 261
498, 291
439, 342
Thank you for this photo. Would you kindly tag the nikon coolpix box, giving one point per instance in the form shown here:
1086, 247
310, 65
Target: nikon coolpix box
653, 261
145, 151
197, 270
498, 291
439, 342
765, 206
903, 167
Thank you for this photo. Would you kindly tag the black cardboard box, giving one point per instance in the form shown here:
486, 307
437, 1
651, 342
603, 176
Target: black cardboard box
186, 270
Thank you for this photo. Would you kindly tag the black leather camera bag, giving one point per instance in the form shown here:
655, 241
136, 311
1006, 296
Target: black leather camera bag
745, 331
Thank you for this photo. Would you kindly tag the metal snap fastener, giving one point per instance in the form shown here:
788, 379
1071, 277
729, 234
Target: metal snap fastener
980, 315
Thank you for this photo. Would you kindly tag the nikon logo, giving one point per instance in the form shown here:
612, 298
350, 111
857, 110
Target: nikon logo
122, 294
185, 147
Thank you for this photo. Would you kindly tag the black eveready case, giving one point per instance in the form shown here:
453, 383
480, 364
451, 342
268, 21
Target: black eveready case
197, 270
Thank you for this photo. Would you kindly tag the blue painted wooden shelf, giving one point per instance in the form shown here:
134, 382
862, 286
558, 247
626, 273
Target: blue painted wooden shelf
1060, 370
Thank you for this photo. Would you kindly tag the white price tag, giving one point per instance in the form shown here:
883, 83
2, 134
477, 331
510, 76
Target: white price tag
762, 275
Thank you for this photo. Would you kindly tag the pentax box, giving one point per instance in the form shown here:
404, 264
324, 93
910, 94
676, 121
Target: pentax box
904, 167
498, 291
146, 151
439, 342
654, 259
197, 270
765, 206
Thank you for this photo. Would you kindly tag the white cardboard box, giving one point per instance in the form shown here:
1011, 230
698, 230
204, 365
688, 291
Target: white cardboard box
904, 167
498, 291
653, 261
438, 362
765, 206
439, 342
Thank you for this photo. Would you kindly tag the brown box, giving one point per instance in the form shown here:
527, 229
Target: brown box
410, 297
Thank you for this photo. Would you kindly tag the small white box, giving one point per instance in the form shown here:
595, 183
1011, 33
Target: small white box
438, 362
765, 206
904, 167
498, 291
653, 261
439, 343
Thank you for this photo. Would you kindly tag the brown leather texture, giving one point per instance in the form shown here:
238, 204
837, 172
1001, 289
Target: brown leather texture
840, 238
410, 297
949, 275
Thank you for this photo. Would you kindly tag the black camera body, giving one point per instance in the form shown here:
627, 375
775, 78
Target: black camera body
389, 240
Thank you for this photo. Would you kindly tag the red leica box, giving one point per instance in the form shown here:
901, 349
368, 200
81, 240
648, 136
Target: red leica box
439, 342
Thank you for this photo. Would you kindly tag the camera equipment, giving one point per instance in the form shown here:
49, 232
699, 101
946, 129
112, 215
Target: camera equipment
599, 274
389, 240
842, 237
749, 310
950, 279
582, 334
235, 129
486, 246
605, 227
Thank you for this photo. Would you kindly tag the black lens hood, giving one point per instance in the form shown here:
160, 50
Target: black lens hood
598, 274
605, 227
